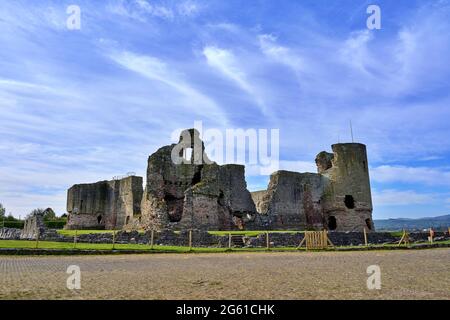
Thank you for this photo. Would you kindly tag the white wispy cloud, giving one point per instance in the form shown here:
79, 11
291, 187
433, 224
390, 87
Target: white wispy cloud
392, 197
404, 174
141, 10
298, 166
155, 69
227, 64
355, 52
269, 47
155, 10
188, 8
67, 102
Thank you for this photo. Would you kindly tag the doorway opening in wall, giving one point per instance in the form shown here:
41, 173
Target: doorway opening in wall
332, 224
174, 207
349, 202
221, 199
187, 153
99, 219
196, 178
369, 223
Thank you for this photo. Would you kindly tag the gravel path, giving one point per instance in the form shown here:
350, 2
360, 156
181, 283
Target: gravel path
415, 274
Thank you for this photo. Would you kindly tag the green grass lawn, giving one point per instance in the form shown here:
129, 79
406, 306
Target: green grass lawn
25, 244
97, 246
71, 233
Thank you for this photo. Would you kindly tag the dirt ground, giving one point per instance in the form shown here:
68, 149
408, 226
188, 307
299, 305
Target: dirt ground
415, 274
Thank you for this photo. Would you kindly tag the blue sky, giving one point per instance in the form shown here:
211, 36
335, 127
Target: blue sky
86, 105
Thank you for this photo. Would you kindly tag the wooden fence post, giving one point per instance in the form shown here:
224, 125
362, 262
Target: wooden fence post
114, 239
190, 240
365, 237
152, 237
37, 239
75, 239
229, 240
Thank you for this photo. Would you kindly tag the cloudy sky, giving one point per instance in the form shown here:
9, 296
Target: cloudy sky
86, 105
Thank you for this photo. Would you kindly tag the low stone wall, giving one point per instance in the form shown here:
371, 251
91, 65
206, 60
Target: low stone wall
338, 238
204, 239
165, 237
10, 234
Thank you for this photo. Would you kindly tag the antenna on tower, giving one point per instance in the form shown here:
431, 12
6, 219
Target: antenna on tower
351, 130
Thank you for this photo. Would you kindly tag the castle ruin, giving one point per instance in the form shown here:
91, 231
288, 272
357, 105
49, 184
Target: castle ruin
200, 194
338, 197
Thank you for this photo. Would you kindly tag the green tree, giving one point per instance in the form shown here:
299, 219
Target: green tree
38, 211
2, 211
49, 214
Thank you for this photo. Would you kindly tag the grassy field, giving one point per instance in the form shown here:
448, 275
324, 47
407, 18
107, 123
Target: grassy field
71, 233
25, 244
96, 246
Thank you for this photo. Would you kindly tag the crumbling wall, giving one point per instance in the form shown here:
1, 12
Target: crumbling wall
292, 201
347, 200
220, 201
34, 226
258, 198
338, 197
10, 233
104, 204
183, 193
194, 194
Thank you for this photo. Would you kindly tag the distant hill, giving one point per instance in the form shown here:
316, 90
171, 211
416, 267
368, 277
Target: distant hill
437, 223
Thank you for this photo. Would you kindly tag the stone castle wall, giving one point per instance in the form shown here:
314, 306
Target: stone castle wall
347, 201
197, 193
337, 198
105, 204
292, 201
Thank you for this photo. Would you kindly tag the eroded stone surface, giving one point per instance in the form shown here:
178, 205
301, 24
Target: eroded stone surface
34, 226
196, 193
337, 198
104, 204
347, 200
292, 200
199, 194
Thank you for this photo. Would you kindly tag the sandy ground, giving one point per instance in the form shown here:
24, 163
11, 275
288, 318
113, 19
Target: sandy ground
415, 274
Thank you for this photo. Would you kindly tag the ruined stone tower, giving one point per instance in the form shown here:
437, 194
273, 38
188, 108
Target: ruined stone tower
196, 194
105, 204
192, 192
337, 198
347, 199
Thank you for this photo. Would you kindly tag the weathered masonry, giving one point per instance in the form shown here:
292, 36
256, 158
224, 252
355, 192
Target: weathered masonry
105, 204
338, 197
200, 194
195, 195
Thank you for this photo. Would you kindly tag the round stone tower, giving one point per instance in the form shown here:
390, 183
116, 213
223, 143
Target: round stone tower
347, 200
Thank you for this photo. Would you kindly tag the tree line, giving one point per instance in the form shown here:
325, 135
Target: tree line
50, 218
